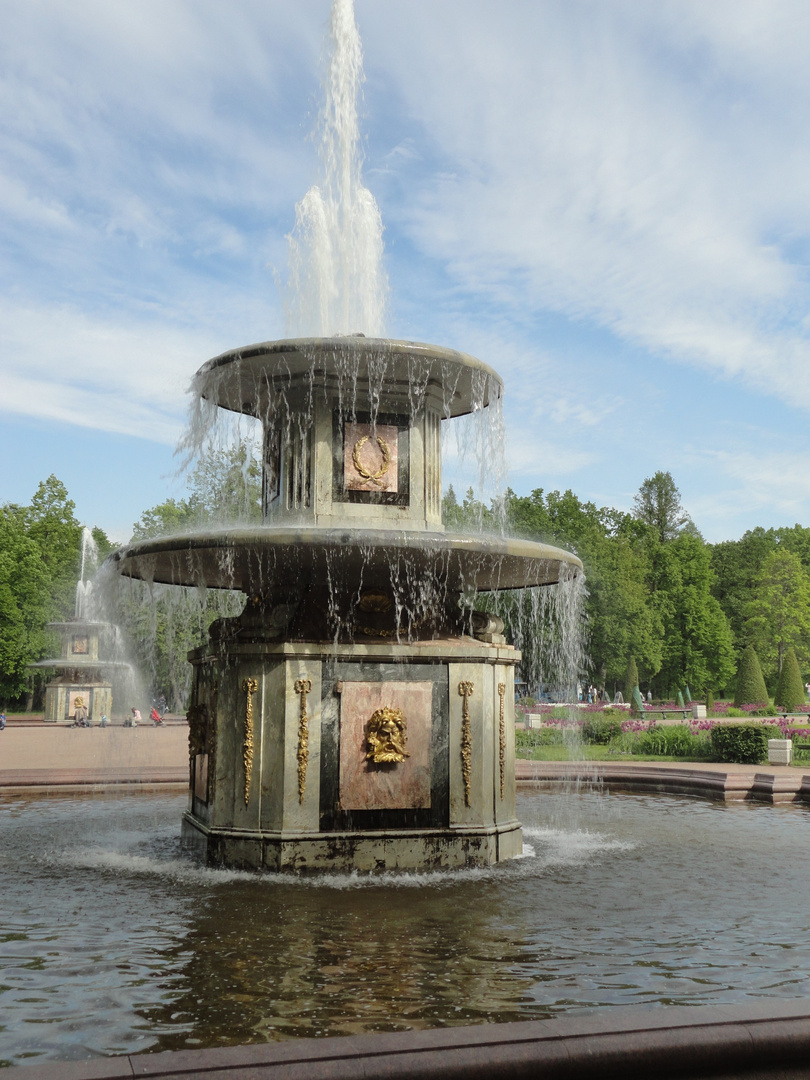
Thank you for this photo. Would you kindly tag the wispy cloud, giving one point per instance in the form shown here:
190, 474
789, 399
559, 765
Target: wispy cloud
607, 202
615, 171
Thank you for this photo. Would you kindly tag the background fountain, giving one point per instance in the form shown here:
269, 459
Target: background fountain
359, 712
90, 672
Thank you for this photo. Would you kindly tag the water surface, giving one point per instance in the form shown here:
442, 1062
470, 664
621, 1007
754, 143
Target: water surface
113, 941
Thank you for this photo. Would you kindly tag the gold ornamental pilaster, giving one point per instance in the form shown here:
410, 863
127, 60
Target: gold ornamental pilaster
302, 688
249, 686
465, 689
502, 734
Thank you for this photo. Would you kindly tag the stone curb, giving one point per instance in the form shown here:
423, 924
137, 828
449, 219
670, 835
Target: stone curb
723, 785
17, 781
766, 1038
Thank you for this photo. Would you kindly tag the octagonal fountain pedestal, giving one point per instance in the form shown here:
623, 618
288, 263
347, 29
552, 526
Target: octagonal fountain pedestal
356, 714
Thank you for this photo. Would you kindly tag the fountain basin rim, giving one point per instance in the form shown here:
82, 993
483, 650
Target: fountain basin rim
76, 663
298, 356
232, 558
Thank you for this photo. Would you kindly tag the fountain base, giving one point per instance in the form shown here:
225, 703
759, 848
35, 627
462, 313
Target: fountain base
439, 849
321, 756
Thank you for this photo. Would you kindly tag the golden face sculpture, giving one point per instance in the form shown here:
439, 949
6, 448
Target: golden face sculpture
386, 737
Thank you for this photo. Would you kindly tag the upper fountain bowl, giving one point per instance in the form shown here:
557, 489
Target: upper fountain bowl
359, 369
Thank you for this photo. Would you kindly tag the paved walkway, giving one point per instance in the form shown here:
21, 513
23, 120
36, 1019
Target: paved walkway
44, 755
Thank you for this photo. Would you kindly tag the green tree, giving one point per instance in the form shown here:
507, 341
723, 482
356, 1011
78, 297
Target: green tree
751, 689
226, 485
658, 504
171, 516
778, 615
471, 515
698, 647
612, 546
737, 565
630, 679
52, 524
165, 623
622, 621
790, 692
25, 602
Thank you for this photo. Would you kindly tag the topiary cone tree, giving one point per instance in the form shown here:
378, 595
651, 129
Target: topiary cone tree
751, 688
789, 689
630, 679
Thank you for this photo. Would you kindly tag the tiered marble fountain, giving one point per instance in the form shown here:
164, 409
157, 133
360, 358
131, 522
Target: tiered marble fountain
356, 714
88, 659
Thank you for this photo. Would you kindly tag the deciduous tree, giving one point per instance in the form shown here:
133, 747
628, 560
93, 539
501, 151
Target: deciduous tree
25, 603
778, 615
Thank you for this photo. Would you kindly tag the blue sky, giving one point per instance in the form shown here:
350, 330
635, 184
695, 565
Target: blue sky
608, 201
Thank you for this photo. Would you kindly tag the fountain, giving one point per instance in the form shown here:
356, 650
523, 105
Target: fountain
354, 674
355, 714
88, 660
359, 713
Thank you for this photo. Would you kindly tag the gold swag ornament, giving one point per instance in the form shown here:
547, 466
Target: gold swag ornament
367, 474
386, 737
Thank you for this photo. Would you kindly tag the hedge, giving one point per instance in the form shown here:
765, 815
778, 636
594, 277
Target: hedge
744, 744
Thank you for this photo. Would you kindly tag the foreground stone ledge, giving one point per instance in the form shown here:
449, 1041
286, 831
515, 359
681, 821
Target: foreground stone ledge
767, 1038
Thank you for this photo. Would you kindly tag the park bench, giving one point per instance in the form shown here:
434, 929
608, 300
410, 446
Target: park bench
801, 748
664, 713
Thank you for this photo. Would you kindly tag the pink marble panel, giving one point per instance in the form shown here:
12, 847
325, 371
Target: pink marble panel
371, 456
365, 785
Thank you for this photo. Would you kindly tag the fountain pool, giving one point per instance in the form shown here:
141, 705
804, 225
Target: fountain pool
114, 941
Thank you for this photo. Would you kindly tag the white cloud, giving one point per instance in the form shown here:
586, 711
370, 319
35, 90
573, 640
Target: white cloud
779, 480
635, 174
62, 365
616, 172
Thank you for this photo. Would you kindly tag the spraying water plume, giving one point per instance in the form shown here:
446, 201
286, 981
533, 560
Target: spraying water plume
337, 281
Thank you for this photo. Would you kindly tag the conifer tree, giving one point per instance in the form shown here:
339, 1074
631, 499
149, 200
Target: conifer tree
630, 679
789, 689
751, 689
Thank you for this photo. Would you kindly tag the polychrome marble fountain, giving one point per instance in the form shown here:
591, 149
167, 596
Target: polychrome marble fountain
357, 713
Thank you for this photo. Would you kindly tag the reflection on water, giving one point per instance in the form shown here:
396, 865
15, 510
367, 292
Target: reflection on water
113, 941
